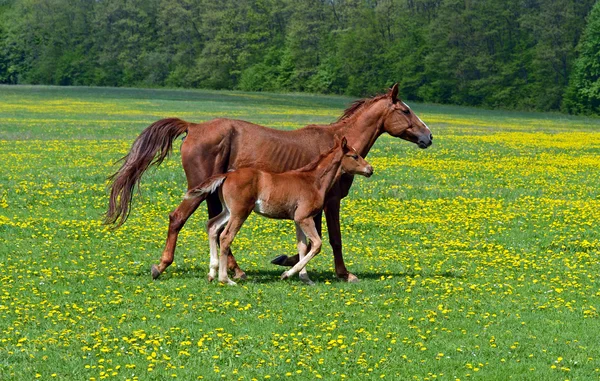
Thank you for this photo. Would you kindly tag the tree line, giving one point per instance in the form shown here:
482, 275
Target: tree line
522, 54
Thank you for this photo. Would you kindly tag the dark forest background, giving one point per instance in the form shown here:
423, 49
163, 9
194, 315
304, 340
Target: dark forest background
523, 54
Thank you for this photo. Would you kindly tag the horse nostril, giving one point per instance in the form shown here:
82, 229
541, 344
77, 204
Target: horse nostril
430, 136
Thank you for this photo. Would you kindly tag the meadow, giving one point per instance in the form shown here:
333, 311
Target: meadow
478, 257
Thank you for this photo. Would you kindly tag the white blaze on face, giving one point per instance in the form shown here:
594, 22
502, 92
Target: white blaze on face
423, 123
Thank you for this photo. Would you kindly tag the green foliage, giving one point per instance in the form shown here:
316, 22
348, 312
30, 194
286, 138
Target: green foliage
583, 94
509, 54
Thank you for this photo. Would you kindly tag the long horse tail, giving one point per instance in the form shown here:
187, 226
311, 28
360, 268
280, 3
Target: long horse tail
207, 187
151, 147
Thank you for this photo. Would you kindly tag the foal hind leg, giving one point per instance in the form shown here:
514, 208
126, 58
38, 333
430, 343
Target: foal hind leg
177, 219
213, 228
308, 228
302, 245
226, 238
214, 208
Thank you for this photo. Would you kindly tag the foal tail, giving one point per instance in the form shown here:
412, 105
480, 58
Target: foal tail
207, 187
151, 147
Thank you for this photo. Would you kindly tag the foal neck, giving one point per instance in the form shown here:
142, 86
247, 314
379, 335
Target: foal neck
328, 170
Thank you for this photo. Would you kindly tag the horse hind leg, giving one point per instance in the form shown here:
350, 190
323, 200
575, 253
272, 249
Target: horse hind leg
177, 219
214, 209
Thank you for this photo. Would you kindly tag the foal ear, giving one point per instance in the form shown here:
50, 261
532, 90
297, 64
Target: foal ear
344, 143
393, 93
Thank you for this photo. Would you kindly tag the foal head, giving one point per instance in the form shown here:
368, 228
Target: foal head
353, 163
400, 121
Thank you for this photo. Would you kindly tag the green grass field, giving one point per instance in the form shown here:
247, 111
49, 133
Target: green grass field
479, 258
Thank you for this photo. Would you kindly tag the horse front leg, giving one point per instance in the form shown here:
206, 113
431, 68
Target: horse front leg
177, 219
214, 209
332, 215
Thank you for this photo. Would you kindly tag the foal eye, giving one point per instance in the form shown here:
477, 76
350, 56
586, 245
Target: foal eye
355, 157
407, 111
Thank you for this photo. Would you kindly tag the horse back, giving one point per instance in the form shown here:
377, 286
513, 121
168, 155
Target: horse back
222, 145
275, 150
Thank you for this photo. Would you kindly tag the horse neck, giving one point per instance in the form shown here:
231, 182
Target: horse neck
363, 128
328, 170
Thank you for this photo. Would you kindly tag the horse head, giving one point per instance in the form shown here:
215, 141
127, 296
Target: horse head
400, 121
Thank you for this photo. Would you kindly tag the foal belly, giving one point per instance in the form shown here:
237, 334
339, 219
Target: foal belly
265, 209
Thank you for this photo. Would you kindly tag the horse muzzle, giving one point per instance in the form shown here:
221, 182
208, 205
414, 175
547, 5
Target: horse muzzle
368, 171
425, 141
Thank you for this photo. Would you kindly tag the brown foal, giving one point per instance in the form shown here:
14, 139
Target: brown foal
222, 145
294, 195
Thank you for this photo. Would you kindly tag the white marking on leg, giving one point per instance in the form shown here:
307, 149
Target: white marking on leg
214, 227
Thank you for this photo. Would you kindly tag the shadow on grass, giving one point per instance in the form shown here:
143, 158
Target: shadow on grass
263, 276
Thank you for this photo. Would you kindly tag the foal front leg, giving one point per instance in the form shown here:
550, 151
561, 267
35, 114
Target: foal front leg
302, 245
284, 260
308, 228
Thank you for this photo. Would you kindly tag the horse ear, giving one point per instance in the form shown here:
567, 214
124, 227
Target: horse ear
393, 93
344, 143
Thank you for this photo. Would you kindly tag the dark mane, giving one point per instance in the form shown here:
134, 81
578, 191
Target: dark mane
359, 104
313, 164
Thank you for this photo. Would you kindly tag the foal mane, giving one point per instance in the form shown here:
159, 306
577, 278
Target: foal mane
360, 105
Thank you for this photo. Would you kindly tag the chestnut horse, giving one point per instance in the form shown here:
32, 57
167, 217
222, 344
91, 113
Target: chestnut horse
222, 145
296, 195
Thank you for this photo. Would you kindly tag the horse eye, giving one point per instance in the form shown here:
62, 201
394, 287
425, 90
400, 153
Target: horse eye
407, 111
355, 157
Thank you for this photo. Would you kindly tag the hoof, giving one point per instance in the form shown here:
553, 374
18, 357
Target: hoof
228, 282
280, 260
285, 275
240, 275
306, 280
155, 272
210, 278
349, 278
